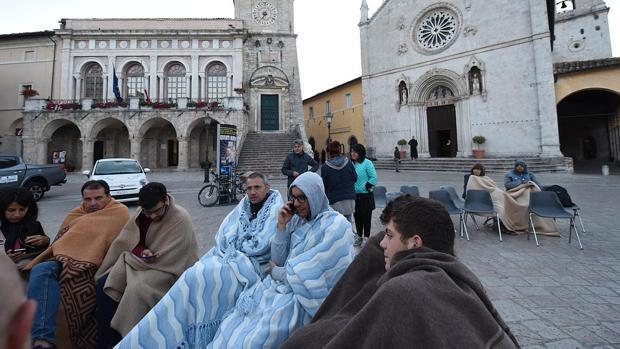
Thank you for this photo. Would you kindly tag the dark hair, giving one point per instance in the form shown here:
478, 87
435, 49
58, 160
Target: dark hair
24, 198
151, 194
333, 148
478, 166
360, 150
94, 185
424, 217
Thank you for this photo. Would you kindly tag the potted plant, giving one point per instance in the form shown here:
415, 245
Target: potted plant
403, 153
478, 140
29, 92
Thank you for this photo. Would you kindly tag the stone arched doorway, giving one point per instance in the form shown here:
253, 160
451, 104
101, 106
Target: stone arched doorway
110, 139
202, 142
589, 128
64, 144
159, 146
441, 123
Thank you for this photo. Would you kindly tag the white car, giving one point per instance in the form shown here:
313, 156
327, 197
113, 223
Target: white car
124, 176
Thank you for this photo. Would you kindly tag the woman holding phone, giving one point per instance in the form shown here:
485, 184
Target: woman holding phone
23, 234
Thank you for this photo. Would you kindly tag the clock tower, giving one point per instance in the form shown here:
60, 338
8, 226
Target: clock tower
271, 73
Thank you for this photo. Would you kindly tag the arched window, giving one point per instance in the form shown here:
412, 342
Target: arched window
176, 82
216, 82
134, 77
93, 82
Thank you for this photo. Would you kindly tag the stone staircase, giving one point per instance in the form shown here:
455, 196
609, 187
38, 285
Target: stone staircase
535, 164
265, 153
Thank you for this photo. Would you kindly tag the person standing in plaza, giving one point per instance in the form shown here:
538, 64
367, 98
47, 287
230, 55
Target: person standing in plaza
413, 145
297, 162
397, 159
364, 200
339, 179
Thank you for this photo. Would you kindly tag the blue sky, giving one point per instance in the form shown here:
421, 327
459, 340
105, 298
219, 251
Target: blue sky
328, 42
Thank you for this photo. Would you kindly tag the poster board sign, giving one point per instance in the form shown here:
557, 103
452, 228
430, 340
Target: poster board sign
226, 149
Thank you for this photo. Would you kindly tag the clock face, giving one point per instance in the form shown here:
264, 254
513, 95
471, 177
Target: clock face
264, 13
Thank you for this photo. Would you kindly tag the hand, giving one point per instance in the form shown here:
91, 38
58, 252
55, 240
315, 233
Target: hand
28, 266
285, 215
295, 174
37, 240
15, 256
148, 256
272, 265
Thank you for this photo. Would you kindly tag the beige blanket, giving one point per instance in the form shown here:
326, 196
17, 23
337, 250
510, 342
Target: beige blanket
513, 206
136, 285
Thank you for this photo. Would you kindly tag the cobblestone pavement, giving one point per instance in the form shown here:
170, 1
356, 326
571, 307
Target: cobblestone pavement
552, 296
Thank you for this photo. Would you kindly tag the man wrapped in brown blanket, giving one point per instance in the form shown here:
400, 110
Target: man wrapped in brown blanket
64, 273
426, 299
144, 261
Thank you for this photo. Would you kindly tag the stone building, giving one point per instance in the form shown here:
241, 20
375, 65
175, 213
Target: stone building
179, 78
447, 71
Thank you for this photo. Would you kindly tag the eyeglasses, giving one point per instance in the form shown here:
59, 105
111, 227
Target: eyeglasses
301, 198
156, 212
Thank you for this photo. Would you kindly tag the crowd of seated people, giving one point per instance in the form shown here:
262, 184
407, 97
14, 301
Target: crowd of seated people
280, 274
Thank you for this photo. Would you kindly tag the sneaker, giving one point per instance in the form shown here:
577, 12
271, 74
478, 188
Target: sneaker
358, 241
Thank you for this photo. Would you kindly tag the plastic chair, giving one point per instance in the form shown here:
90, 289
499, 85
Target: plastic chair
546, 204
380, 196
577, 214
444, 198
479, 202
393, 195
458, 202
410, 189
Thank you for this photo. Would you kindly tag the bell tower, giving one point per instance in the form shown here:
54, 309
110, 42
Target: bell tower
266, 16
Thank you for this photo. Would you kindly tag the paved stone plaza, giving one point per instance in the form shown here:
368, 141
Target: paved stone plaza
553, 296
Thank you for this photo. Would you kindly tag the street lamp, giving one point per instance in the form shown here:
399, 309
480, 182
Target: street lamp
329, 117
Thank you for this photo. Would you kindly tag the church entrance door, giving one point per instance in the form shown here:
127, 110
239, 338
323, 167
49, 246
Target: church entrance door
270, 113
442, 134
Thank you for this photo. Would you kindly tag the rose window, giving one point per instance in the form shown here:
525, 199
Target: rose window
436, 30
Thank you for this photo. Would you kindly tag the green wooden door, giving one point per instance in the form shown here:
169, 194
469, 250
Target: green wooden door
269, 112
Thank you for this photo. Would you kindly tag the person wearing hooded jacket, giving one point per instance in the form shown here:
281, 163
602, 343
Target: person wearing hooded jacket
339, 179
520, 175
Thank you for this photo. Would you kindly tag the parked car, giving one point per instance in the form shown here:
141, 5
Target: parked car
14, 172
124, 176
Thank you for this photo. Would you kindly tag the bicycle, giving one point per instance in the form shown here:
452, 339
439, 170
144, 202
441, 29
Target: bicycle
220, 186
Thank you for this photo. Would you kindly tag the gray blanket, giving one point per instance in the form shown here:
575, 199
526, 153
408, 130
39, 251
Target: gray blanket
428, 299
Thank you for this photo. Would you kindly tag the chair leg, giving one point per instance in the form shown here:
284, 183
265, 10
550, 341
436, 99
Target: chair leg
577, 214
499, 228
473, 218
533, 229
460, 225
570, 230
465, 226
577, 234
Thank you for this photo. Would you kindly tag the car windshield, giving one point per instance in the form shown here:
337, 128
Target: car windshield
117, 167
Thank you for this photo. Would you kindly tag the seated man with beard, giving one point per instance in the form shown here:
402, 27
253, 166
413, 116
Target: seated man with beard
156, 246
407, 290
231, 299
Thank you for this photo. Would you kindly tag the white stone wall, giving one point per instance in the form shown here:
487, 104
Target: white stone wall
516, 110
582, 33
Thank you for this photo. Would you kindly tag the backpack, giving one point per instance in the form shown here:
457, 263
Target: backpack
562, 194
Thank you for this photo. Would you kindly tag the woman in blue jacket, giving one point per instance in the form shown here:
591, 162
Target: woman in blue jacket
339, 179
364, 200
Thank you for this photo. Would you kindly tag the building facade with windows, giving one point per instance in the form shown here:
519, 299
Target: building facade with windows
344, 103
178, 79
26, 63
447, 71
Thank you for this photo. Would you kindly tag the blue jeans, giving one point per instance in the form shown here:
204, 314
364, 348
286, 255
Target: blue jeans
44, 287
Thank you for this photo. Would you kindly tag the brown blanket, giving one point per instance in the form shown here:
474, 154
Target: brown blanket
513, 206
81, 244
136, 285
428, 299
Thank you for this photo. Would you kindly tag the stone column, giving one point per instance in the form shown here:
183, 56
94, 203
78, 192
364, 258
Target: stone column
87, 153
42, 150
136, 148
194, 74
78, 88
183, 153
153, 77
161, 86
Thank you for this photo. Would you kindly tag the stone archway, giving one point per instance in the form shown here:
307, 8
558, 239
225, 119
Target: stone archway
589, 128
159, 144
58, 136
202, 142
111, 139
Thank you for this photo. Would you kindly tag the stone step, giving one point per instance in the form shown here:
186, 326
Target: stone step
463, 165
265, 153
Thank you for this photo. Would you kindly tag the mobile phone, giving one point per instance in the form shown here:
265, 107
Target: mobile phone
149, 257
19, 250
291, 207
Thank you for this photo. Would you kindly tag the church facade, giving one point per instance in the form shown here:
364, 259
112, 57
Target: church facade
178, 79
447, 71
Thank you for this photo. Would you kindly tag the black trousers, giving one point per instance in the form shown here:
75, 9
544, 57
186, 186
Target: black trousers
363, 221
106, 308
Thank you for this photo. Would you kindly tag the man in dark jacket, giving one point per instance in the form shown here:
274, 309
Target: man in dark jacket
339, 179
297, 162
413, 145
